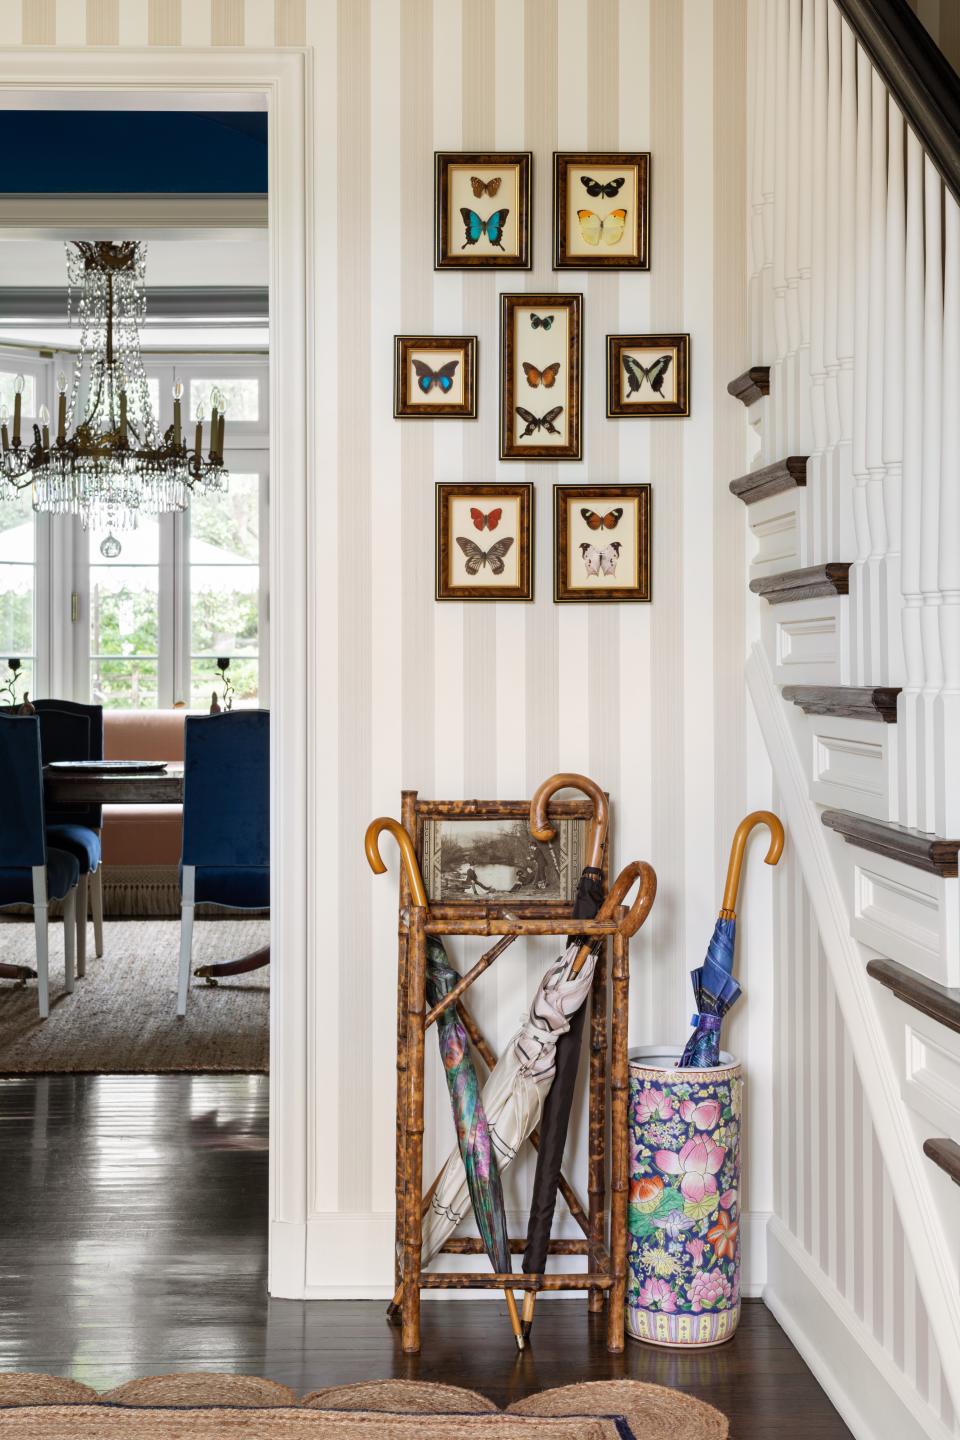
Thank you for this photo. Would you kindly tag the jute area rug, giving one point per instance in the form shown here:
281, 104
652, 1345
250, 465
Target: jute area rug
121, 1017
216, 1407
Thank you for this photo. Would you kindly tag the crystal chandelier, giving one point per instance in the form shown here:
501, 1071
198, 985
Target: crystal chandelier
109, 463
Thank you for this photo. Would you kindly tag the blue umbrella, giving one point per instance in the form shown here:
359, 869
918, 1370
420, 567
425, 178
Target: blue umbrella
714, 988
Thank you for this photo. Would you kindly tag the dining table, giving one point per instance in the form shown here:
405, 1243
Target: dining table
87, 784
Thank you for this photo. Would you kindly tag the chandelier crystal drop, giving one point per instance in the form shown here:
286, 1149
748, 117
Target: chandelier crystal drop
108, 461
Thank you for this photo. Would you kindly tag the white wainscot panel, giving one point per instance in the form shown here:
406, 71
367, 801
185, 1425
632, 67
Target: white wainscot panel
775, 527
852, 765
807, 639
902, 913
931, 1082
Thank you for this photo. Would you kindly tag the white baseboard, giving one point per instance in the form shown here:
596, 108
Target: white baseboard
875, 1399
350, 1257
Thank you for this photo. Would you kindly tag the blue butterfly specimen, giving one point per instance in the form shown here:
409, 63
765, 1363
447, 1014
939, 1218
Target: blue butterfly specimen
475, 228
427, 378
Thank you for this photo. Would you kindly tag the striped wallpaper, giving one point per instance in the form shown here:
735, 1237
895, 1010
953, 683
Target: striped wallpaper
488, 699
831, 1188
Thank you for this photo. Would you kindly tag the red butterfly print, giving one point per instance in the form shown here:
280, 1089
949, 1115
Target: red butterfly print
490, 521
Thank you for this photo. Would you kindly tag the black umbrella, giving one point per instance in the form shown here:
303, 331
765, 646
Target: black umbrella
556, 1112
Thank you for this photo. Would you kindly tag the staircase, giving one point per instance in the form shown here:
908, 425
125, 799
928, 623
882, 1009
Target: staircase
852, 501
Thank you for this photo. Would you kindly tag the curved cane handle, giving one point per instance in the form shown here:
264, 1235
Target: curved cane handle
640, 909
542, 829
407, 854
732, 887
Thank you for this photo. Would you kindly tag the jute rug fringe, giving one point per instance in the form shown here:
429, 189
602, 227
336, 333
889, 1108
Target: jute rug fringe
203, 1406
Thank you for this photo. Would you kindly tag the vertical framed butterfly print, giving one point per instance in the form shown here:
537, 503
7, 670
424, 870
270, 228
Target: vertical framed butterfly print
484, 542
648, 376
435, 377
540, 376
601, 211
482, 210
601, 536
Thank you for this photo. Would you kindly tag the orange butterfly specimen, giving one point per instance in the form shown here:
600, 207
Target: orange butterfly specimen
547, 378
489, 187
610, 521
490, 521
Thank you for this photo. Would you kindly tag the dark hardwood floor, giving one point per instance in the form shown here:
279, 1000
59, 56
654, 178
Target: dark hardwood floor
134, 1241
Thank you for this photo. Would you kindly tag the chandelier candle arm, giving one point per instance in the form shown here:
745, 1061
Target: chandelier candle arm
4, 430
17, 407
61, 408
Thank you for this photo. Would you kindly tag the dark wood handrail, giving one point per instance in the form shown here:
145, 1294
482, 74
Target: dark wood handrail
917, 74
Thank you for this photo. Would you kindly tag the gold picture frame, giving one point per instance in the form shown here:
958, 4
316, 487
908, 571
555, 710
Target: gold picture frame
601, 210
435, 377
541, 365
484, 542
648, 377
482, 210
602, 543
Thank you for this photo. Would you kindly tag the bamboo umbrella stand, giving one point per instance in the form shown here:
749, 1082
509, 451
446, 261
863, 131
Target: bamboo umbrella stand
605, 1275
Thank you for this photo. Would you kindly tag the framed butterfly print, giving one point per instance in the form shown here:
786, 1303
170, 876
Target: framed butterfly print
482, 210
601, 536
435, 377
484, 542
540, 376
648, 376
601, 211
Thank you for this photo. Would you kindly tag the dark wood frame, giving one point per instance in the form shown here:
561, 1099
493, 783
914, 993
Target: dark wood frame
606, 1273
443, 590
445, 257
510, 303
563, 593
403, 409
620, 409
640, 160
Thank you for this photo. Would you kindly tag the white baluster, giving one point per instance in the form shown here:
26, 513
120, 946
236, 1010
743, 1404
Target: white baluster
892, 447
792, 228
804, 436
756, 40
831, 358
858, 586
769, 169
947, 704
908, 702
874, 665
778, 388
845, 537
816, 499
930, 490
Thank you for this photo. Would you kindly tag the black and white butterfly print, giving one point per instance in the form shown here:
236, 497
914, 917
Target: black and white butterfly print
534, 423
654, 374
477, 558
610, 188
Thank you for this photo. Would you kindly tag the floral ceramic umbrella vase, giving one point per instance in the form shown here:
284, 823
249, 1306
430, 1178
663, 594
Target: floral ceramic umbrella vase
714, 987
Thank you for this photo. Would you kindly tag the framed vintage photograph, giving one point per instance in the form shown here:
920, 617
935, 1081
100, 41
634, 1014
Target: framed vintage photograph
484, 542
648, 376
482, 210
540, 376
494, 858
601, 537
601, 211
435, 377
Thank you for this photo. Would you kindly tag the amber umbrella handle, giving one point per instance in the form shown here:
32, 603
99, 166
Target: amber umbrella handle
640, 909
371, 845
541, 827
732, 887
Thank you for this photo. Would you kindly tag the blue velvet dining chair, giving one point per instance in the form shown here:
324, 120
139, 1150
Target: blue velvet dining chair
71, 731
30, 872
226, 820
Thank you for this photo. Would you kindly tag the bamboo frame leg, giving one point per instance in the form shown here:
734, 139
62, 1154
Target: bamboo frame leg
413, 1148
620, 1145
597, 1163
408, 818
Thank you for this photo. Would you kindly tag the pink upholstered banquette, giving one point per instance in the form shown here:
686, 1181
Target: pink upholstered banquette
143, 834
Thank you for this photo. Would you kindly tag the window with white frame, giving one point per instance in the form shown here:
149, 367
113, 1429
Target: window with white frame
18, 537
146, 617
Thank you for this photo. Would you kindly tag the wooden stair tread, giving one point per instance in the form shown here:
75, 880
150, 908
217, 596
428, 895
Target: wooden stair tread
752, 385
852, 702
804, 584
940, 1002
883, 837
946, 1154
787, 474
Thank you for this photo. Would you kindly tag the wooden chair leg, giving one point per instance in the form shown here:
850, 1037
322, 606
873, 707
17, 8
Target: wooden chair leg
42, 944
82, 899
186, 935
70, 921
96, 905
